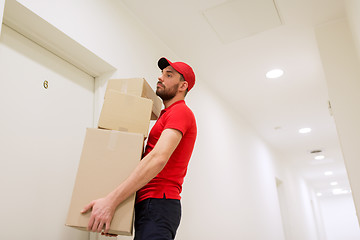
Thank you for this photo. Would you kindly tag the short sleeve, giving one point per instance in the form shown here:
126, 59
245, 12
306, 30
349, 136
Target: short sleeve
180, 118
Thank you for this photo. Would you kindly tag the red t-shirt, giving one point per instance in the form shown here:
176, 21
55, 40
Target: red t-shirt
169, 181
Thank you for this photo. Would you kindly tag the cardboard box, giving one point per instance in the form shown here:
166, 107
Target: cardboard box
107, 159
137, 87
125, 112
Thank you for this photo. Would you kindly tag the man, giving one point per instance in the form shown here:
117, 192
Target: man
159, 176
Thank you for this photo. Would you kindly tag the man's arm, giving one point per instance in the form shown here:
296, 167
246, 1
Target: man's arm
103, 209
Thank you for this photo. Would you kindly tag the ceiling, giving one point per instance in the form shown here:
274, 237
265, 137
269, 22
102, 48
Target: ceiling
243, 39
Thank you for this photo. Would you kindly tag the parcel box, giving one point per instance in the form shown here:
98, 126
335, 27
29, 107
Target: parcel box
125, 112
137, 87
107, 159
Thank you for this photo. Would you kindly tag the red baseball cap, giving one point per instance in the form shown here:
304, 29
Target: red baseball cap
182, 68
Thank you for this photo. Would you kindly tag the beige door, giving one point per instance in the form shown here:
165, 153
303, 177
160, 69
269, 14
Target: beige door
42, 131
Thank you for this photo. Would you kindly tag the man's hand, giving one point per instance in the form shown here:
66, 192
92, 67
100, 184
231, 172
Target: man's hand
102, 214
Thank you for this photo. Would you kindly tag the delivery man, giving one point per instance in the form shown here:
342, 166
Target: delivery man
159, 176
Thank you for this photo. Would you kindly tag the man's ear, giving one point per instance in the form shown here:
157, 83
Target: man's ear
183, 86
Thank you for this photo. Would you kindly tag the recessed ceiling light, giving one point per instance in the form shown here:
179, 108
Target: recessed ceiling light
328, 173
339, 191
334, 183
319, 157
319, 194
304, 130
275, 73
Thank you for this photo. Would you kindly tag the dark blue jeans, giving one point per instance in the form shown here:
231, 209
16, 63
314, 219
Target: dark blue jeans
157, 219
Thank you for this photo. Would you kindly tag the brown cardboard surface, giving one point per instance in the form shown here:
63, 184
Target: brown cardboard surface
137, 87
124, 112
107, 159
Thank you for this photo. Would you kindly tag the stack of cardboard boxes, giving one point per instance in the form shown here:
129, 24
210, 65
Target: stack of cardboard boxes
113, 150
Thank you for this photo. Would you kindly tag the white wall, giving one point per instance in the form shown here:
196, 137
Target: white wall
339, 217
230, 190
109, 30
352, 10
299, 211
342, 70
318, 217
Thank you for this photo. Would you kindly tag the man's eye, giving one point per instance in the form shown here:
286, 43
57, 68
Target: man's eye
168, 75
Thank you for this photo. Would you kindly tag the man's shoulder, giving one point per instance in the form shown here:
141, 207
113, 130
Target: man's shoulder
183, 109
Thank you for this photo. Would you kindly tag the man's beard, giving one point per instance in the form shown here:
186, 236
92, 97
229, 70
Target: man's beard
167, 94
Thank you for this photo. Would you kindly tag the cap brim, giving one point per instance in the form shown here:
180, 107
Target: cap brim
163, 63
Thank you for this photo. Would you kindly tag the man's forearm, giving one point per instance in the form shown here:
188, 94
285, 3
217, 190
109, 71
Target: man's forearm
146, 170
148, 167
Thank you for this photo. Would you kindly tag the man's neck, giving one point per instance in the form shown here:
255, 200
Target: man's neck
168, 103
